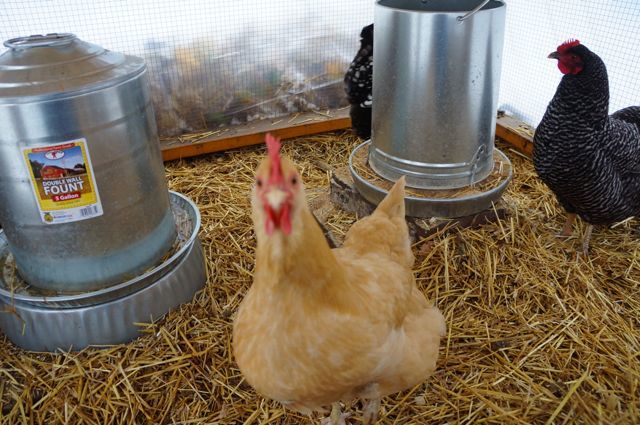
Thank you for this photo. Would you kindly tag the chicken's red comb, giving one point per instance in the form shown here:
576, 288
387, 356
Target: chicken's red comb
572, 42
273, 149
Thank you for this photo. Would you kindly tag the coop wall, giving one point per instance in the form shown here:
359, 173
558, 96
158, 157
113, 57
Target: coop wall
214, 63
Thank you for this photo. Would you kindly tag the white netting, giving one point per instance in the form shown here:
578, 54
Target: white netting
227, 61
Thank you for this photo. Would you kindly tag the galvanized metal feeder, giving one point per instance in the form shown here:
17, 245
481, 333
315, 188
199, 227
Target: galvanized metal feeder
435, 89
84, 204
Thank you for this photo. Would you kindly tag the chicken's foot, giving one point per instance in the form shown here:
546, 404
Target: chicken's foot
587, 239
567, 228
337, 417
370, 411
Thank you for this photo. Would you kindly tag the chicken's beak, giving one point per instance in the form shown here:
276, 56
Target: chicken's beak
278, 211
553, 55
276, 198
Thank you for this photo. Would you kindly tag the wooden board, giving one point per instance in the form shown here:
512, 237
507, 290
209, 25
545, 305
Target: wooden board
516, 133
511, 130
253, 133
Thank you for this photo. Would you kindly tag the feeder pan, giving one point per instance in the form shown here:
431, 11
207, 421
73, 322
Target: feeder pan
111, 315
450, 203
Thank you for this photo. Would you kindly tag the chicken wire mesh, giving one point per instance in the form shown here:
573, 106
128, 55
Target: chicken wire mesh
225, 62
535, 29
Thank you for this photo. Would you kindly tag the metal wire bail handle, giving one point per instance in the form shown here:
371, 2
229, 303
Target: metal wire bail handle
54, 39
469, 14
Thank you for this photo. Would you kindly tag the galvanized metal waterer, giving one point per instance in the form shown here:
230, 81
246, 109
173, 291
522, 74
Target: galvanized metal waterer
108, 316
83, 197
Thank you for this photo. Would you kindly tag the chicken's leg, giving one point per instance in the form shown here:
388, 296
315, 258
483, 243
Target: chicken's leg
370, 411
567, 229
587, 239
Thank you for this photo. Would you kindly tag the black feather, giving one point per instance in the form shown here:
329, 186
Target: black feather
358, 84
590, 160
630, 114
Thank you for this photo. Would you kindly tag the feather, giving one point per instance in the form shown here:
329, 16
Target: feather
358, 84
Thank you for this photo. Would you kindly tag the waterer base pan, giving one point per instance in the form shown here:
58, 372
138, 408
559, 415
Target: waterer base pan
450, 206
39, 325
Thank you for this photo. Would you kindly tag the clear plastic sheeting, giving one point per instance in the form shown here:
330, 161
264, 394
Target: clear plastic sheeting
219, 62
215, 63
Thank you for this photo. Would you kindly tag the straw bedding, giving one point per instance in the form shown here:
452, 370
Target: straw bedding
536, 332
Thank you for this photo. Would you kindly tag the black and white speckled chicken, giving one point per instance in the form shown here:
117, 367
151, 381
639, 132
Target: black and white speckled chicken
358, 84
588, 158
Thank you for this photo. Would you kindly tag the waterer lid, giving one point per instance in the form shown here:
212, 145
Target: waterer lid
55, 65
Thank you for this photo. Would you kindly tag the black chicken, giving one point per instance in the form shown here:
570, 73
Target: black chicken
588, 158
358, 84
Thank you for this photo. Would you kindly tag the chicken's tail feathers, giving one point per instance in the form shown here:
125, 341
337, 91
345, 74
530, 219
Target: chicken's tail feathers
630, 114
393, 203
438, 320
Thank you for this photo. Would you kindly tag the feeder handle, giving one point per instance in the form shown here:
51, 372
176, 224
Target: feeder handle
469, 14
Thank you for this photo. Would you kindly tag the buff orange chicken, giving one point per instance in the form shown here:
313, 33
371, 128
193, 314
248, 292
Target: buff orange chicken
320, 325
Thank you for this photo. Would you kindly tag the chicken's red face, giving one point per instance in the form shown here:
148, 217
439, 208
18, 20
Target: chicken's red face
277, 183
569, 61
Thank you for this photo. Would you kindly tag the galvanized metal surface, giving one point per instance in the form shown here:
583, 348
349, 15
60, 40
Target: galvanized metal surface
47, 67
56, 89
436, 92
184, 211
38, 328
434, 207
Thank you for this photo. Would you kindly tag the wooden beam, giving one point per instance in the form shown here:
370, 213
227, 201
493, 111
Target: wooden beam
511, 130
516, 133
253, 133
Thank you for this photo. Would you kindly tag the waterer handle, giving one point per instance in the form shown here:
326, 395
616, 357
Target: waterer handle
48, 40
469, 14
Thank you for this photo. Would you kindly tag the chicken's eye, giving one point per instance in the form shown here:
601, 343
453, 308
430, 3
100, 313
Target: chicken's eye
259, 182
294, 180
